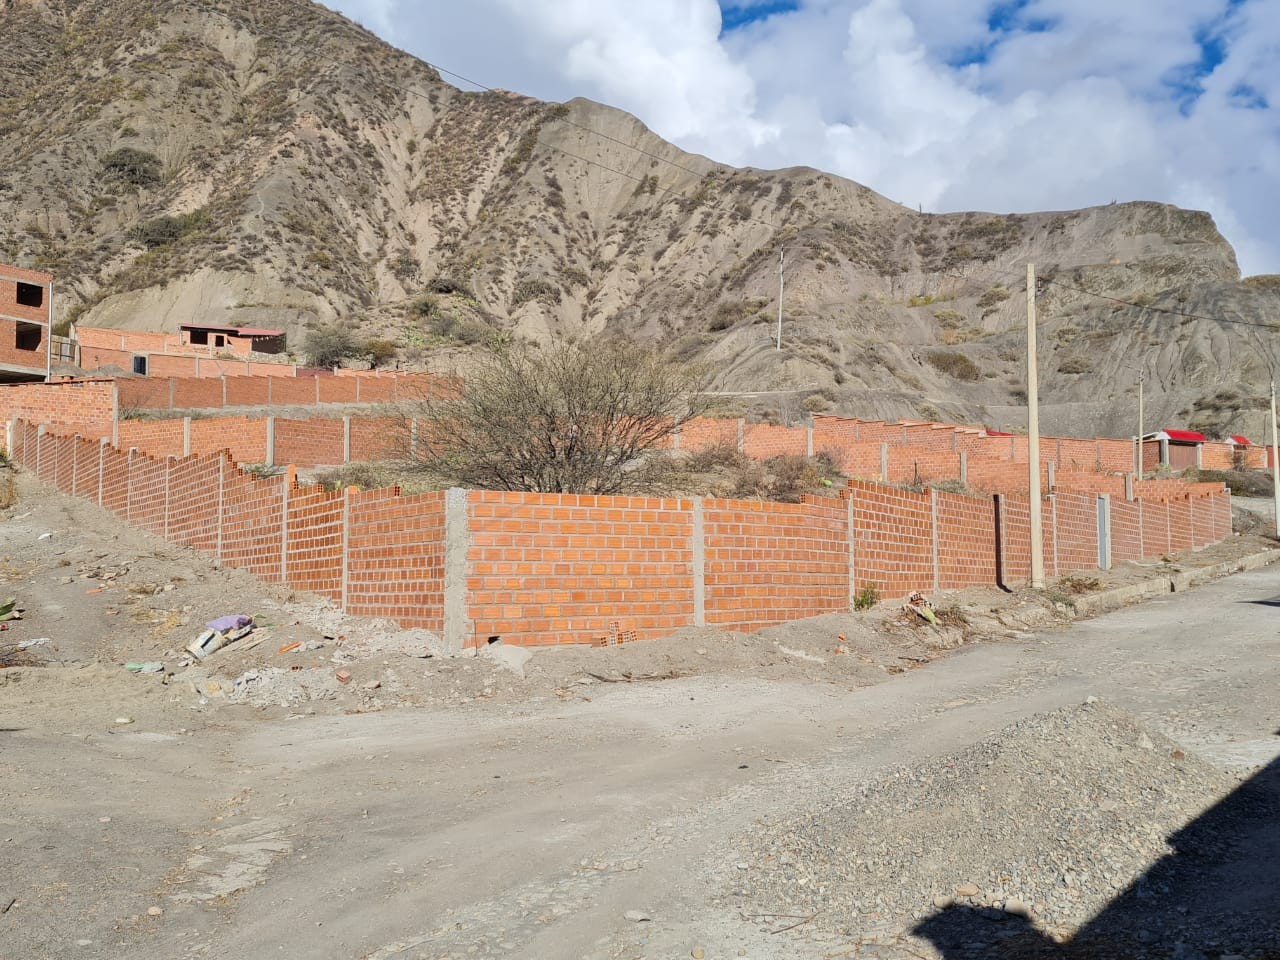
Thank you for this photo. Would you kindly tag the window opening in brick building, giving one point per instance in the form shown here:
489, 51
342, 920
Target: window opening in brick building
27, 336
140, 366
200, 338
30, 295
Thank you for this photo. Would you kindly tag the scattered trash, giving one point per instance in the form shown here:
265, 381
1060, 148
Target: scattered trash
154, 912
38, 642
637, 916
123, 721
9, 610
615, 636
919, 604
95, 590
8, 904
220, 632
344, 676
800, 654
144, 666
313, 645
45, 536
289, 647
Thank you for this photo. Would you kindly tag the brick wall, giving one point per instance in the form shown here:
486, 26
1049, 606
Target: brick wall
309, 443
772, 562
159, 438
544, 568
243, 438
760, 441
547, 568
704, 433
85, 406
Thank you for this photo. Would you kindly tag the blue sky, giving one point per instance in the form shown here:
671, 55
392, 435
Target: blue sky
999, 105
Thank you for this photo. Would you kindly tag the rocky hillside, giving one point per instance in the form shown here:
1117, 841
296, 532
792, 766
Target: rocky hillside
274, 164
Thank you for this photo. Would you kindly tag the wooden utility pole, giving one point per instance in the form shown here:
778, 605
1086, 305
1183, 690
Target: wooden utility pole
1275, 458
1033, 436
781, 261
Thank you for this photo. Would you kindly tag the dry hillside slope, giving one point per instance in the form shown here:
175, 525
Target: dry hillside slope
274, 164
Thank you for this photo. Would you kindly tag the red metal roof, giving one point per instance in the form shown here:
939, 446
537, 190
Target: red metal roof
1186, 436
234, 331
998, 433
1241, 441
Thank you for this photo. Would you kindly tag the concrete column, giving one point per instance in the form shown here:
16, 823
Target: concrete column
246, 369
413, 436
346, 438
317, 383
853, 551
1199, 456
1104, 531
1141, 533
222, 486
224, 391
186, 436
742, 435
10, 431
675, 438
699, 544
271, 442
964, 467
1053, 517
40, 431
933, 510
270, 380
128, 488
1097, 453
345, 560
286, 482
172, 392
102, 465
1191, 520
1052, 469
115, 412
457, 544
884, 463
1164, 452
808, 439
357, 389
197, 366
1128, 486
168, 482
1013, 448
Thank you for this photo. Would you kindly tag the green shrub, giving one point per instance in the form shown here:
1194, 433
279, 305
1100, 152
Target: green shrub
164, 230
379, 350
993, 297
133, 166
444, 284
534, 288
326, 346
867, 597
955, 365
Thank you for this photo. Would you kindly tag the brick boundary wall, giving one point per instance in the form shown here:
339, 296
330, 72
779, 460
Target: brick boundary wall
549, 568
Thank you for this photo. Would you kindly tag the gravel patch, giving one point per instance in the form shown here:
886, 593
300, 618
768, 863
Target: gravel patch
1021, 839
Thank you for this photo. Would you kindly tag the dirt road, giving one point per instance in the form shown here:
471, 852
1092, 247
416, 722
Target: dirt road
532, 827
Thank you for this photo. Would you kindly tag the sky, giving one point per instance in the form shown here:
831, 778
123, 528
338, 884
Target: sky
997, 105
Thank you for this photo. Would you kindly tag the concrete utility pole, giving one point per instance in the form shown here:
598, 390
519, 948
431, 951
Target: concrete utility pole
1275, 458
1033, 436
48, 338
781, 262
1137, 469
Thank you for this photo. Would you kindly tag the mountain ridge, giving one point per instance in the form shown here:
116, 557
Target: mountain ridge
281, 166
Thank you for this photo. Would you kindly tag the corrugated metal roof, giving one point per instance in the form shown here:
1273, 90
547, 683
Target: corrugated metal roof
234, 331
1186, 436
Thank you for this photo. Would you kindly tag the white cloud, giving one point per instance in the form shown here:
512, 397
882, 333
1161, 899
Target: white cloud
1054, 104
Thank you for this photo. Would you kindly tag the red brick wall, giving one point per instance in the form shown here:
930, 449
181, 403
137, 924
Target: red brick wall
1075, 532
309, 443
547, 568
760, 441
966, 546
377, 438
315, 541
160, 438
9, 305
773, 562
705, 432
920, 464
86, 406
893, 539
1217, 456
244, 438
32, 357
396, 557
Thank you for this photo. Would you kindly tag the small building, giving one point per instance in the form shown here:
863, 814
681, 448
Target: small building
237, 340
26, 310
1179, 449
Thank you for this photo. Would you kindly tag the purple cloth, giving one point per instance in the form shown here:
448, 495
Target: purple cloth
230, 622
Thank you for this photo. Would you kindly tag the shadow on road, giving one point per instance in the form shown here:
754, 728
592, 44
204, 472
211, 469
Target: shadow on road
1217, 895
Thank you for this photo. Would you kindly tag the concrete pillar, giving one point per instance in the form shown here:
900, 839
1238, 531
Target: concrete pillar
168, 486
933, 510
1052, 469
172, 392
964, 467
224, 391
699, 544
286, 482
457, 544
853, 551
1104, 531
271, 442
742, 435
1199, 456
186, 436
128, 488
1164, 452
357, 389
222, 485
808, 439
346, 439
675, 438
1128, 486
345, 584
1053, 519
270, 380
102, 465
884, 463
197, 366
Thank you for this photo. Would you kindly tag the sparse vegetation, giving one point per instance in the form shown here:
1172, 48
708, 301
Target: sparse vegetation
993, 297
567, 418
329, 345
534, 288
954, 365
379, 350
866, 597
136, 167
